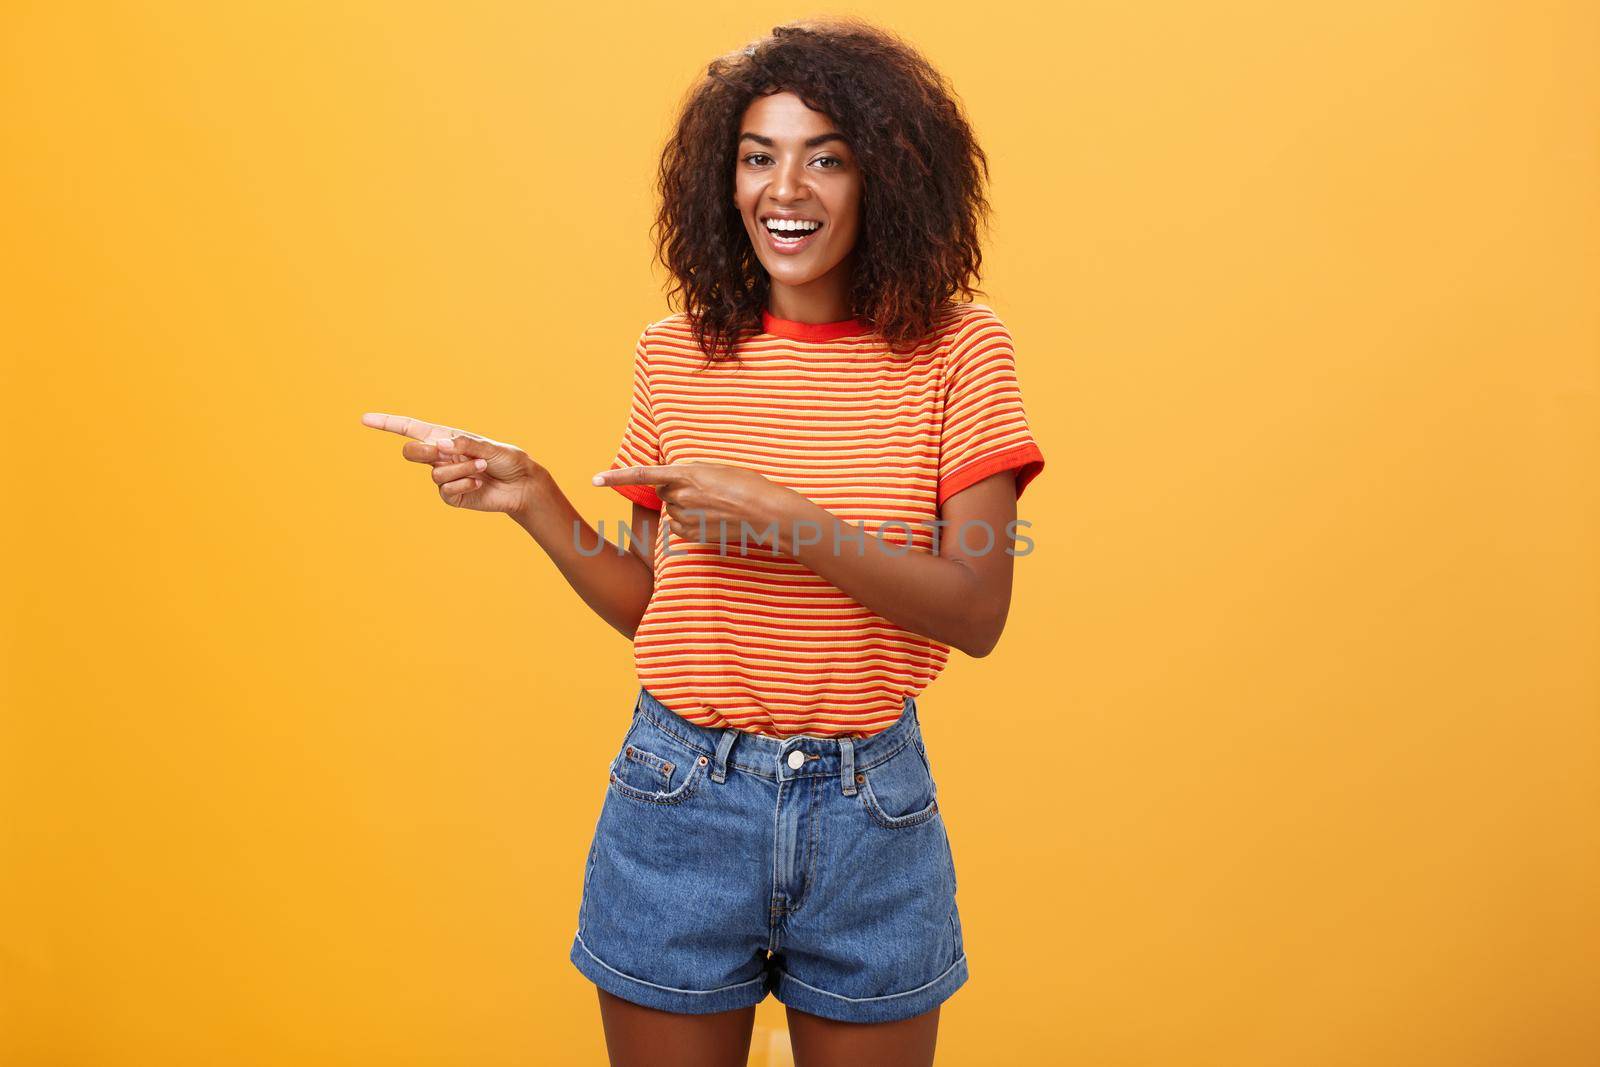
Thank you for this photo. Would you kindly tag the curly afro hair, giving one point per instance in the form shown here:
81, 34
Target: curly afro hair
923, 182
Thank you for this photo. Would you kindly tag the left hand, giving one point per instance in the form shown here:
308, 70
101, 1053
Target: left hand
707, 501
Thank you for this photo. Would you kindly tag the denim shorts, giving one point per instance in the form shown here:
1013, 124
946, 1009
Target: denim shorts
726, 864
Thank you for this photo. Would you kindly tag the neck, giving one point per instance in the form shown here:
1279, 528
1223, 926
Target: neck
824, 299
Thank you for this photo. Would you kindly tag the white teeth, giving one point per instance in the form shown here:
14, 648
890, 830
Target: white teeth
799, 225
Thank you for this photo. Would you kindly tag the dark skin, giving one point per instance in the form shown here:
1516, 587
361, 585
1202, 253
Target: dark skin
637, 1036
958, 597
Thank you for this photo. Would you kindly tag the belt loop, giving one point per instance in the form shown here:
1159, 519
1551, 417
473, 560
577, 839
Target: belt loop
847, 765
719, 770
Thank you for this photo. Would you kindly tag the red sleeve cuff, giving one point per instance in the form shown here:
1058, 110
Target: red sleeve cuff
1026, 459
640, 494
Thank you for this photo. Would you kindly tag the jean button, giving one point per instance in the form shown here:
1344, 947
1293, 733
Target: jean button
796, 758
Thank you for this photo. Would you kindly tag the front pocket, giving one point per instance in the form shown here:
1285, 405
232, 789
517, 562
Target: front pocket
640, 774
900, 792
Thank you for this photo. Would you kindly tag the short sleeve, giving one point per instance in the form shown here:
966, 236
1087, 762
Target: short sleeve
985, 430
640, 446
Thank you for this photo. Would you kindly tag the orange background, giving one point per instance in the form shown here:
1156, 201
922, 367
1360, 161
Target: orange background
1288, 756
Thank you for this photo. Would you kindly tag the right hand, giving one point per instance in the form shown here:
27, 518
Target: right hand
471, 471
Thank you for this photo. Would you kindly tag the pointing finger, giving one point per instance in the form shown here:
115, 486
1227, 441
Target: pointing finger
403, 425
639, 475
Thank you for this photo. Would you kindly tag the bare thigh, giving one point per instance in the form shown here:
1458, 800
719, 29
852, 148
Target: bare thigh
637, 1036
820, 1042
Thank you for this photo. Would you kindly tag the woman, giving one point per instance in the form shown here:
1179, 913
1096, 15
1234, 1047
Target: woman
835, 448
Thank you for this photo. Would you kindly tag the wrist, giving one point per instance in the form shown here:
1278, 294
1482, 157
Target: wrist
539, 490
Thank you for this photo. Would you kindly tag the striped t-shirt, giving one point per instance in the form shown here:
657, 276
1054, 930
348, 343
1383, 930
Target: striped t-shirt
748, 638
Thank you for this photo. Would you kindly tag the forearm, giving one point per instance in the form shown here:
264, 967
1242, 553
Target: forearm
614, 582
917, 590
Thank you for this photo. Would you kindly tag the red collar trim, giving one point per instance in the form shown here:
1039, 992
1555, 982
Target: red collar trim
811, 331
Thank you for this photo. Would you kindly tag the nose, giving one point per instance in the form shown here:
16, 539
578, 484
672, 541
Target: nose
788, 180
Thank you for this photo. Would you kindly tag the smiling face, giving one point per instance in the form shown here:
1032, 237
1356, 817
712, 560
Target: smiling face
798, 190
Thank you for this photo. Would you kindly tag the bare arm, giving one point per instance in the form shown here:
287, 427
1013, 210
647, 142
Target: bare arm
617, 584
959, 597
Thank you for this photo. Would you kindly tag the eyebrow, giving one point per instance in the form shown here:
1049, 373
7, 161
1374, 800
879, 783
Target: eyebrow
811, 142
